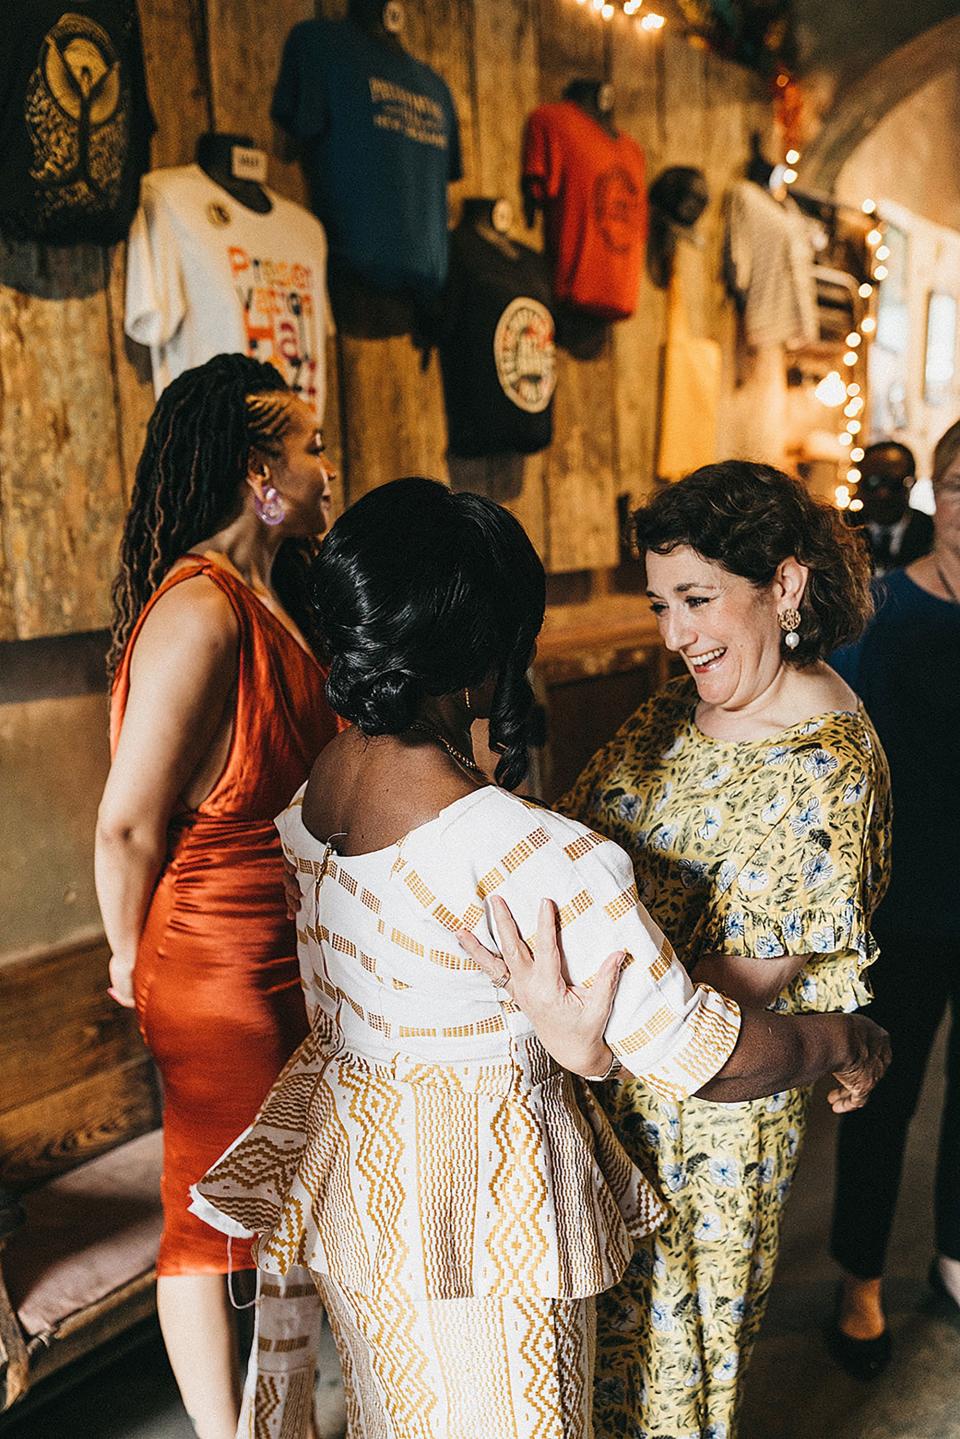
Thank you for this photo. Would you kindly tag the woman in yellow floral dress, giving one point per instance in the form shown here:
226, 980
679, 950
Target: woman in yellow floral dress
753, 796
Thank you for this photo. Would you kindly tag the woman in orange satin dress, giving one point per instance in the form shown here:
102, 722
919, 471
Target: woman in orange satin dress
218, 712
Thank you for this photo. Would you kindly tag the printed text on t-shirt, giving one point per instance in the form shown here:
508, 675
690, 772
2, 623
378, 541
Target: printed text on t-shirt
279, 316
414, 116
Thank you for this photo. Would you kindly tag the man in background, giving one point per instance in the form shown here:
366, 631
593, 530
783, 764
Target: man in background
897, 535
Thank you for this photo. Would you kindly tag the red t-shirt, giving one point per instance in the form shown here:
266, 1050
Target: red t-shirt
593, 189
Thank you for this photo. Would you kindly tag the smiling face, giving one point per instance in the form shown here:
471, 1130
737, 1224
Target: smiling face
725, 628
301, 473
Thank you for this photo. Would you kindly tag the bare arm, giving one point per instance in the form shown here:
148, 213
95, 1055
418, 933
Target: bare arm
182, 673
752, 982
786, 1051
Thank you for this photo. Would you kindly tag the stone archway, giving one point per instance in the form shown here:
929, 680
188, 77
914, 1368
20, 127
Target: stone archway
893, 79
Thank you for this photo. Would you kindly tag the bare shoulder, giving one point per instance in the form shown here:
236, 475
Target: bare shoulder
188, 644
195, 614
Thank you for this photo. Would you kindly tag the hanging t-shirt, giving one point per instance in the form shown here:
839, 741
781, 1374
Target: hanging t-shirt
769, 258
75, 122
496, 340
206, 275
592, 186
380, 143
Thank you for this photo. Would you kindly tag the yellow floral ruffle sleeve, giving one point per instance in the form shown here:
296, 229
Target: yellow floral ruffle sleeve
814, 879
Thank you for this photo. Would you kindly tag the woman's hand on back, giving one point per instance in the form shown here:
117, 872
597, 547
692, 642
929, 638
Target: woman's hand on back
569, 1019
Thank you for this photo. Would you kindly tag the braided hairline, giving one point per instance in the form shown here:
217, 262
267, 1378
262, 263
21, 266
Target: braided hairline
189, 475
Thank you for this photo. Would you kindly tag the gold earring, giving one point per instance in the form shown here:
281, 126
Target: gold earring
466, 699
789, 622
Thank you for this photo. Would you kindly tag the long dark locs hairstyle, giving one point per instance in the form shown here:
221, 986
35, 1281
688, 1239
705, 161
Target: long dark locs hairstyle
190, 476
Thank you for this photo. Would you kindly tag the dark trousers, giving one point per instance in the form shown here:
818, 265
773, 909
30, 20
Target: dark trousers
914, 979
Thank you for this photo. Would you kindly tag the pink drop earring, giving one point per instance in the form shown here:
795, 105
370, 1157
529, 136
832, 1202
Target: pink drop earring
269, 506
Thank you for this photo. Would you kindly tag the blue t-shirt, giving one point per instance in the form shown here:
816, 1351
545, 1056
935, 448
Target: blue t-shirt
380, 144
906, 669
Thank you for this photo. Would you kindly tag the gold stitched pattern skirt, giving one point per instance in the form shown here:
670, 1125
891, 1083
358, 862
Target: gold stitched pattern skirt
472, 1368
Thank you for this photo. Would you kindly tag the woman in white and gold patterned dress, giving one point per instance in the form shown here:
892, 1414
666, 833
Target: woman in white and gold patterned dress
456, 1196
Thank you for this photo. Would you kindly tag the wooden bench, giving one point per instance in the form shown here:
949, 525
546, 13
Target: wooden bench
79, 1165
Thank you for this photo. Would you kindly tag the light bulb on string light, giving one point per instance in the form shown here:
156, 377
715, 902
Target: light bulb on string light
789, 175
868, 324
853, 475
853, 389
869, 207
842, 496
632, 6
844, 438
874, 236
865, 290
607, 12
792, 156
883, 252
853, 340
856, 503
652, 21
880, 273
854, 427
850, 358
857, 454
831, 391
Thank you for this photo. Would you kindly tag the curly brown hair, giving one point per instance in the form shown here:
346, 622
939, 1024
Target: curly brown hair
750, 517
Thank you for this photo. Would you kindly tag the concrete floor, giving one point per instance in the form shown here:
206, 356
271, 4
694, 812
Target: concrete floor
793, 1390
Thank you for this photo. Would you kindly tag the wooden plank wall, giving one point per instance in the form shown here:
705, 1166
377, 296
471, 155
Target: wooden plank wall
75, 393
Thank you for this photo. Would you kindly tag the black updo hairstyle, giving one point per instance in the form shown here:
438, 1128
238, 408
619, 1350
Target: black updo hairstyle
750, 517
419, 591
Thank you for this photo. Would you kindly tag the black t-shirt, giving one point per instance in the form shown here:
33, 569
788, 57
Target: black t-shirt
495, 332
75, 121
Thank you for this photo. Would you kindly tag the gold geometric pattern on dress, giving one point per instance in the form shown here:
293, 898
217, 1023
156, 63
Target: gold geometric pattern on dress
487, 883
400, 1364
580, 903
370, 900
537, 1348
663, 961
521, 852
407, 942
427, 1144
448, 1138
447, 960
625, 901
421, 893
582, 845
516, 1242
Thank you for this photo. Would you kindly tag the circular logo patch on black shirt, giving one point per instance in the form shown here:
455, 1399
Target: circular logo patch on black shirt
525, 354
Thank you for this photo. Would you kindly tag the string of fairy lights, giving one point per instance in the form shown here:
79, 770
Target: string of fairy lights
646, 19
839, 389
844, 391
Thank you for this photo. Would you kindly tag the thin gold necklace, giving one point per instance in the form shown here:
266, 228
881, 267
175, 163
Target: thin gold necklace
451, 749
